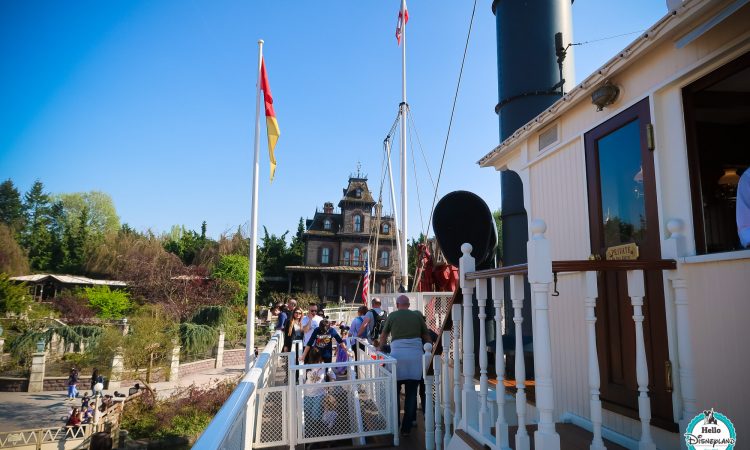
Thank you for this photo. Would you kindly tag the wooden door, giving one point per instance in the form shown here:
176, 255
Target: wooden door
622, 210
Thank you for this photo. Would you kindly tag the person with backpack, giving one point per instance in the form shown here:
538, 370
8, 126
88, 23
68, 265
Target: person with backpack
372, 325
73, 384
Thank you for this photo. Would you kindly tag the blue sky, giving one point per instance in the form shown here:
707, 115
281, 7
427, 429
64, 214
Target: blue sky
153, 102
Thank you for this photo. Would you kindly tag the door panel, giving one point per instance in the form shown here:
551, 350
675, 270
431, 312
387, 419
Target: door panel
622, 210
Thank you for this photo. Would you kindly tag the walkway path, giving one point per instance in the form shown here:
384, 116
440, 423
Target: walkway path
25, 410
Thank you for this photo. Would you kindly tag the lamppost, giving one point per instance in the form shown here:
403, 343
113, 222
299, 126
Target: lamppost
98, 387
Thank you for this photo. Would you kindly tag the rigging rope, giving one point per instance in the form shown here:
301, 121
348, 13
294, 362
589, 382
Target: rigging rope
450, 122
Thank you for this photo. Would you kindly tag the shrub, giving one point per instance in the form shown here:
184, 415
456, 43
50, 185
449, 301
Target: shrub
108, 303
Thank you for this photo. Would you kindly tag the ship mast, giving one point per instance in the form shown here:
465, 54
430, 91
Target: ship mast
402, 112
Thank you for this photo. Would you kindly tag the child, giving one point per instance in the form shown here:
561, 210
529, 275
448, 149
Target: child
313, 396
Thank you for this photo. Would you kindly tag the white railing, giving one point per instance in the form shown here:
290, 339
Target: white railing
233, 426
471, 409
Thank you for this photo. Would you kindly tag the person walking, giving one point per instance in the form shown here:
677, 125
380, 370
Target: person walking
322, 339
373, 322
407, 330
286, 313
293, 329
94, 379
73, 384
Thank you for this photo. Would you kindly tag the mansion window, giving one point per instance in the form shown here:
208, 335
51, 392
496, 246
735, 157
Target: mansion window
386, 228
355, 259
357, 223
384, 258
325, 256
347, 257
314, 287
358, 193
329, 288
716, 120
327, 224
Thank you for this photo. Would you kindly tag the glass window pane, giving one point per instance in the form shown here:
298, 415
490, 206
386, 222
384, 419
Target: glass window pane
621, 175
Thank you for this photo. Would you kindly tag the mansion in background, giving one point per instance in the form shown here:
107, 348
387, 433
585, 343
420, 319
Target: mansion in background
339, 241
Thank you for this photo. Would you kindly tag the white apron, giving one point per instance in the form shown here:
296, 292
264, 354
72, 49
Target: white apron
408, 355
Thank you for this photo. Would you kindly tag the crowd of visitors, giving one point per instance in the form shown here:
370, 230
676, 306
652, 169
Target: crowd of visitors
401, 333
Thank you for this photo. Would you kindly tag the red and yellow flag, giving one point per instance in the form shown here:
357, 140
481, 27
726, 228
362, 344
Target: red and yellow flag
272, 126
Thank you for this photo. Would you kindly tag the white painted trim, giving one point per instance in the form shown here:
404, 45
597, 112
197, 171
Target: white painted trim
716, 257
706, 26
607, 433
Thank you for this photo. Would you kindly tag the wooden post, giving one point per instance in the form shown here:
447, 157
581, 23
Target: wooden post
458, 407
484, 410
637, 291
591, 290
466, 265
501, 425
675, 249
429, 424
540, 277
516, 295
446, 398
437, 369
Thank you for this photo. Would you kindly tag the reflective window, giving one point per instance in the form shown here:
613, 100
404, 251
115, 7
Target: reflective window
327, 224
325, 256
384, 258
621, 175
357, 223
355, 259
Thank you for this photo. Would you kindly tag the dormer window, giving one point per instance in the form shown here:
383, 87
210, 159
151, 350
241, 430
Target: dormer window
386, 228
327, 224
357, 223
358, 193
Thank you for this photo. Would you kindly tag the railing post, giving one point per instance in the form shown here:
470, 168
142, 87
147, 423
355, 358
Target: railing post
637, 291
466, 265
592, 292
675, 249
540, 277
501, 425
516, 296
429, 424
484, 416
437, 370
458, 407
446, 398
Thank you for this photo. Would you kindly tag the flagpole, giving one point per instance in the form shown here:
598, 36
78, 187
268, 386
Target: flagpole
250, 339
403, 107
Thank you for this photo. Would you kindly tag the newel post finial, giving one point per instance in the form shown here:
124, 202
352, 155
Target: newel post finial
466, 264
539, 256
675, 246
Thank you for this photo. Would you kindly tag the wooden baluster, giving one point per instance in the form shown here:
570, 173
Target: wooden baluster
675, 248
437, 369
447, 403
484, 410
501, 425
466, 265
591, 290
516, 296
637, 291
457, 408
540, 277
429, 424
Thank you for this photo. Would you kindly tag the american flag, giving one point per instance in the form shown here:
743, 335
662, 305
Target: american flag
366, 283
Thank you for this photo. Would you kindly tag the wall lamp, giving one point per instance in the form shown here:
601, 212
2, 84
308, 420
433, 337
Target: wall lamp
605, 95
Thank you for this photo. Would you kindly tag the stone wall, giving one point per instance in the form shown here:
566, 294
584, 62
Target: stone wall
9, 384
234, 357
197, 366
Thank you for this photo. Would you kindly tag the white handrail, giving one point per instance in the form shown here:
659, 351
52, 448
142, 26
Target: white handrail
231, 426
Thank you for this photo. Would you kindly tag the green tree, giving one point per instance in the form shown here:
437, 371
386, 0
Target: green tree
297, 248
184, 243
36, 237
76, 239
109, 304
57, 229
101, 215
14, 297
13, 259
233, 271
498, 216
11, 207
149, 339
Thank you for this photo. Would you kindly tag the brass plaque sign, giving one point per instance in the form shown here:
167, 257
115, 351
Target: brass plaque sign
625, 252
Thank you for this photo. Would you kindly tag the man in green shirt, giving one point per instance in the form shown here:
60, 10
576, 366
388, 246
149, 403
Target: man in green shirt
407, 330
